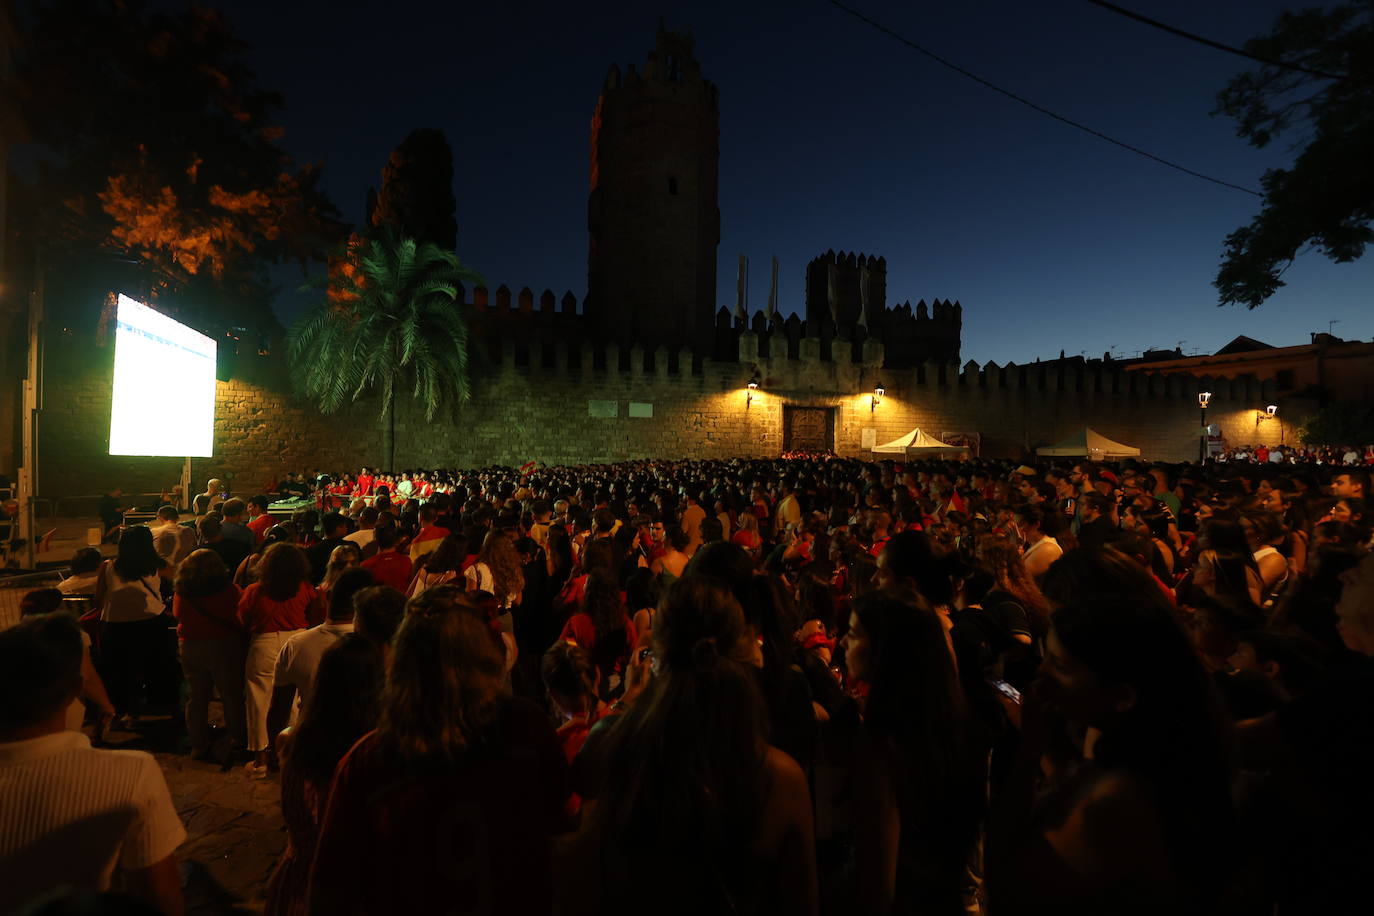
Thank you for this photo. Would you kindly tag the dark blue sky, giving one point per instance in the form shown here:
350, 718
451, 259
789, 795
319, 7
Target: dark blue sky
835, 136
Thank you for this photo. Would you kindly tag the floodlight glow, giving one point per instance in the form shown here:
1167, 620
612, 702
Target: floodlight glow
164, 386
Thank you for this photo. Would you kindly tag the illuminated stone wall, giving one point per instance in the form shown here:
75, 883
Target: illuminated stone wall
545, 406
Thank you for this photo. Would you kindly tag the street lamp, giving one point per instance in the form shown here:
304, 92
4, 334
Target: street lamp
878, 392
1203, 399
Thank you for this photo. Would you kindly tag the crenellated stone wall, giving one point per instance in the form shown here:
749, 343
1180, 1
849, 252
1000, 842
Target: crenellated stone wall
584, 404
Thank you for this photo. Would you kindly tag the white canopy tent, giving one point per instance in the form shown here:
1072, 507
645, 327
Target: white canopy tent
916, 444
1088, 443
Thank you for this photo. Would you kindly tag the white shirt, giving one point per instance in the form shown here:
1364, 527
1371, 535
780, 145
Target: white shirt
127, 602
79, 585
362, 537
173, 542
69, 814
299, 659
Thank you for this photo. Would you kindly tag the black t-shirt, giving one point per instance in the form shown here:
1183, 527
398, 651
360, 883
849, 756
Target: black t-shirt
232, 552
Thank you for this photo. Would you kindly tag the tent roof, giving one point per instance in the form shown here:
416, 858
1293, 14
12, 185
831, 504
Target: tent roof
1090, 443
914, 440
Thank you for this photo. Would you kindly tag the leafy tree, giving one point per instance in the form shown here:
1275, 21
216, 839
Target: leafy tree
1339, 424
416, 199
393, 323
160, 144
1326, 198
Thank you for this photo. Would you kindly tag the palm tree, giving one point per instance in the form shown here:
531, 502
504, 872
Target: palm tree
393, 321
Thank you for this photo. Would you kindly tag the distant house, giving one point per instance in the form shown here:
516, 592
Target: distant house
1326, 369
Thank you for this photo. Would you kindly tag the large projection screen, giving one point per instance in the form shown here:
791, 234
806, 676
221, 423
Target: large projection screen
164, 386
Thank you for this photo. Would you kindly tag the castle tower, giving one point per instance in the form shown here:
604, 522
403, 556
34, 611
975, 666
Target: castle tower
653, 214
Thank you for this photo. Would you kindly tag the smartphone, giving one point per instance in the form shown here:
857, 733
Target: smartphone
1006, 690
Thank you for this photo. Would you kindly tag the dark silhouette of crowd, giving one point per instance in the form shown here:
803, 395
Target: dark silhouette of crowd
749, 686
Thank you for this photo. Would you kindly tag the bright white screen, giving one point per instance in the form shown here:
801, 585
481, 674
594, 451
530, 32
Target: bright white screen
164, 386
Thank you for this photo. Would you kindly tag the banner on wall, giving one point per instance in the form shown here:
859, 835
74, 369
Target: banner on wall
970, 441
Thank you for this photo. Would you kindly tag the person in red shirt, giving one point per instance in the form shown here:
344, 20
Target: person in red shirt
364, 487
205, 604
457, 793
601, 625
389, 566
272, 610
258, 519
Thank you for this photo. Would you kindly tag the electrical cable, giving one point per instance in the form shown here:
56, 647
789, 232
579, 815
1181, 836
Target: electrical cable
1131, 14
1029, 104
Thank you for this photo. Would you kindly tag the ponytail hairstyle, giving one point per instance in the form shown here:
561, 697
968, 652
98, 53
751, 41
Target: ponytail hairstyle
680, 793
569, 677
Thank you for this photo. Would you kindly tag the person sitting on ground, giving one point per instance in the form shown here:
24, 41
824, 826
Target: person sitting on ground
85, 569
452, 749
70, 815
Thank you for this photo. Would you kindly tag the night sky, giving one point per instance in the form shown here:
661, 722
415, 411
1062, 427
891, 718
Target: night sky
835, 136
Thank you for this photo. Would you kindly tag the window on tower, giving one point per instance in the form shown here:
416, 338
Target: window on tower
674, 70
672, 186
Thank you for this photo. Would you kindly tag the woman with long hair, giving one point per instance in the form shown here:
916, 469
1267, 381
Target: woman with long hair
442, 565
694, 809
558, 555
128, 592
213, 645
602, 627
247, 573
455, 795
341, 709
497, 571
276, 607
1142, 822
918, 776
571, 681
1226, 567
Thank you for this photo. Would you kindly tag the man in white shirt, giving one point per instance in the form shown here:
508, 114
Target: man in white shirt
367, 528
300, 658
71, 815
172, 540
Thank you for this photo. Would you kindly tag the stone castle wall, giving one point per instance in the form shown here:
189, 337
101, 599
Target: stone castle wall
600, 405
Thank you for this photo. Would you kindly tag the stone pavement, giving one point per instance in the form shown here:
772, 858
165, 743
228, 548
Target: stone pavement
235, 832
234, 827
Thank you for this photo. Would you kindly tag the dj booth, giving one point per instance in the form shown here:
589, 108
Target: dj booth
285, 508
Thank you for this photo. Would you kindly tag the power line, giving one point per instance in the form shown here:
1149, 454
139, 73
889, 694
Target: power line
1131, 14
1029, 104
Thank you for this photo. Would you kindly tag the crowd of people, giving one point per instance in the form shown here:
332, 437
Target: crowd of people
747, 686
1325, 455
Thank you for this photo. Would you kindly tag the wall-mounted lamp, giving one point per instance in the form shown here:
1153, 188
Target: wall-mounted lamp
878, 392
1203, 399
1272, 410
752, 386
1268, 413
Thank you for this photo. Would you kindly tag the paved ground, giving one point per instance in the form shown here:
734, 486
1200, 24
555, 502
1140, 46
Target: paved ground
234, 825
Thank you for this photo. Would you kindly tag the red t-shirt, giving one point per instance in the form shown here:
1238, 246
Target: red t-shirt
580, 630
390, 568
474, 834
208, 616
259, 526
260, 614
364, 484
